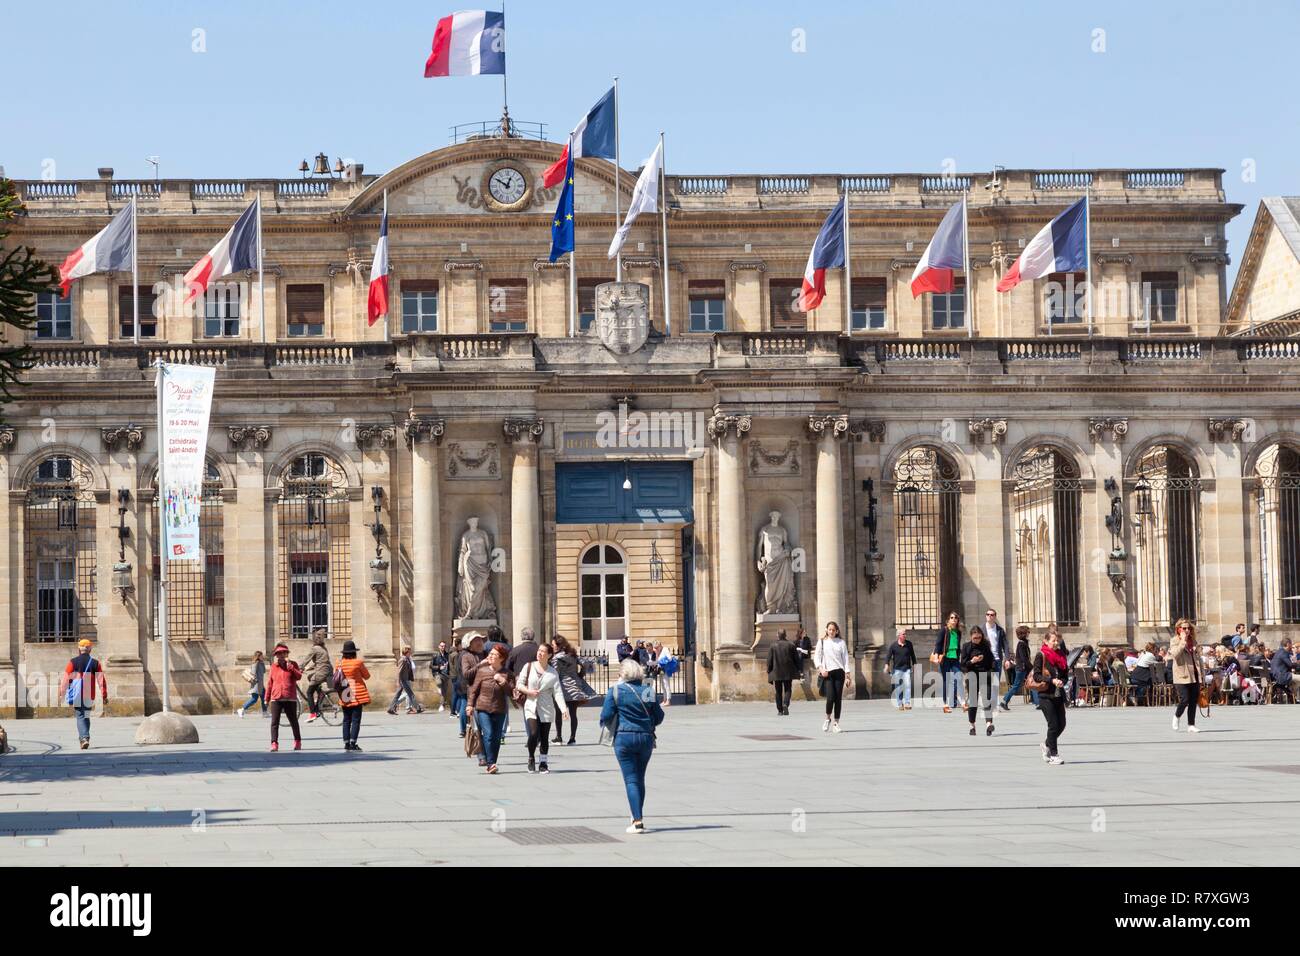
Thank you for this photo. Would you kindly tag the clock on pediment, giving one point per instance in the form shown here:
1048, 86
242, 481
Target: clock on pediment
507, 186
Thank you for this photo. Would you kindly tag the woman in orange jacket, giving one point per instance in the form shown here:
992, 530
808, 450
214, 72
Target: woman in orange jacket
354, 695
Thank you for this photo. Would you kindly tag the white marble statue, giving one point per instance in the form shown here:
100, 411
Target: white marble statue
773, 559
474, 571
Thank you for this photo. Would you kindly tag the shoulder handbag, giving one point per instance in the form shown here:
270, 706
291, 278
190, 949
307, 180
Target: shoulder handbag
1037, 686
609, 729
517, 696
473, 742
248, 676
1204, 698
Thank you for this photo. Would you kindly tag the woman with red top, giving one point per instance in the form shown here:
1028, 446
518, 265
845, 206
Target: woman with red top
1047, 677
354, 696
282, 691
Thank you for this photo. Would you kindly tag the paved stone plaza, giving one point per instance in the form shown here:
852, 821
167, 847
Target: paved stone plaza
893, 789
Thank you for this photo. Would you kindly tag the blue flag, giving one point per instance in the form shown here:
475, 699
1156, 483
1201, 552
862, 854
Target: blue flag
562, 222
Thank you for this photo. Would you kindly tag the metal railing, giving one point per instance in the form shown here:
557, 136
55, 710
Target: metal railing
486, 129
602, 673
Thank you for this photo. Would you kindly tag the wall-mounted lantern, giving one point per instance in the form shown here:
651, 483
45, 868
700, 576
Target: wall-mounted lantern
656, 564
909, 500
378, 565
1142, 497
123, 584
874, 566
1115, 561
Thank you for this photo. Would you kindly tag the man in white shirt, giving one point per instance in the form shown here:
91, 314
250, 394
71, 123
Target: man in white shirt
997, 638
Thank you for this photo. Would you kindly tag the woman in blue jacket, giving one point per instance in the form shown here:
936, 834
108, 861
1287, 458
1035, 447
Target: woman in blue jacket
638, 712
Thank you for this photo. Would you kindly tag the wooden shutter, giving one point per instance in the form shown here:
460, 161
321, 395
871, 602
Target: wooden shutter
508, 301
126, 311
868, 293
305, 304
707, 289
587, 294
782, 297
419, 285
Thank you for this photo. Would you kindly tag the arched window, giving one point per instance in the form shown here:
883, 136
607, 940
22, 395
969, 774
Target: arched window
59, 547
1166, 511
602, 577
1045, 493
196, 590
1277, 509
927, 550
314, 563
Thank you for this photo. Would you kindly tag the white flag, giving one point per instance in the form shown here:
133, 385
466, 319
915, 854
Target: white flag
645, 198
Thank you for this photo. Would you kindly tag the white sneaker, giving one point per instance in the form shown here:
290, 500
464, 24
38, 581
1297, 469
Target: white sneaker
826, 725
1055, 760
1193, 730
1175, 723
1047, 757
635, 828
239, 712
441, 708
835, 727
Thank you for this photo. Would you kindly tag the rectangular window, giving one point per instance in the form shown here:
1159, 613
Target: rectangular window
419, 305
309, 593
53, 316
221, 310
708, 298
868, 304
508, 305
56, 600
1161, 297
1066, 300
126, 312
782, 296
587, 302
305, 310
948, 309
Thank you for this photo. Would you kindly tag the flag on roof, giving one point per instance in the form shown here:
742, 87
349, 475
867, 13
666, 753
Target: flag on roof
236, 252
468, 43
945, 253
1060, 246
827, 253
377, 303
593, 136
109, 250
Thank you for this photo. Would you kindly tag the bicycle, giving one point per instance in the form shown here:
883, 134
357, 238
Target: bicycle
329, 708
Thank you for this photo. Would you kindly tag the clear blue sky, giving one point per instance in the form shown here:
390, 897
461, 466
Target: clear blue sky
884, 85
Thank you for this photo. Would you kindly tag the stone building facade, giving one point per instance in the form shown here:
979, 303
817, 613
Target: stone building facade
1265, 297
957, 451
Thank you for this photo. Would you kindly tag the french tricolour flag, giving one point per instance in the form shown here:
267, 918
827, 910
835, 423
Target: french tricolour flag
109, 251
944, 254
1060, 246
236, 252
827, 253
468, 43
377, 304
593, 136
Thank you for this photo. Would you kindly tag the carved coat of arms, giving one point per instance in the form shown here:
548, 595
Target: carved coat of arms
623, 315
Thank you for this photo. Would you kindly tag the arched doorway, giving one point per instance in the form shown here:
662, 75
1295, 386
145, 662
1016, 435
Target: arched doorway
927, 510
1277, 515
1045, 492
1166, 509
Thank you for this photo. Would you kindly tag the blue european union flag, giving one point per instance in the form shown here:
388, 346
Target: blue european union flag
562, 222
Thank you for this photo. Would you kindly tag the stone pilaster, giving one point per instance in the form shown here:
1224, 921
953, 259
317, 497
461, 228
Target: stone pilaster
735, 616
524, 434
828, 431
425, 435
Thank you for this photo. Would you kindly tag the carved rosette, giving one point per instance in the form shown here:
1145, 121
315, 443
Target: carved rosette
828, 426
378, 435
987, 430
7, 438
419, 429
130, 437
872, 428
524, 430
1227, 429
722, 426
249, 437
1116, 428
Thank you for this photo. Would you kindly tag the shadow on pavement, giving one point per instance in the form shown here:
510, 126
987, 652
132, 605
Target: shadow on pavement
77, 764
50, 822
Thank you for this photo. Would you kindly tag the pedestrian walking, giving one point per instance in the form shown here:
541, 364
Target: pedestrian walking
947, 654
77, 687
899, 661
453, 673
523, 653
487, 702
575, 689
440, 668
255, 674
977, 665
1187, 672
471, 655
831, 659
316, 671
1020, 665
405, 674
282, 690
665, 667
630, 715
1047, 677
539, 684
783, 667
350, 672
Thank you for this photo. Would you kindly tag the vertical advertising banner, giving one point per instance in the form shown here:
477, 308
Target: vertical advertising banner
185, 402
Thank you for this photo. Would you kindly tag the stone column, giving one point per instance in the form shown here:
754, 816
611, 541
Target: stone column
735, 615
118, 633
424, 434
828, 431
1105, 606
525, 526
1224, 516
250, 550
10, 592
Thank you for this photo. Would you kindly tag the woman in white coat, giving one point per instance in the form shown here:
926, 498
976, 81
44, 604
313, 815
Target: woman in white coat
539, 685
831, 658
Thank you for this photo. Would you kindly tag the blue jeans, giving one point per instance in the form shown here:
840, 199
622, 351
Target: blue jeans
1017, 682
83, 722
633, 750
490, 728
951, 671
458, 703
352, 723
253, 697
902, 692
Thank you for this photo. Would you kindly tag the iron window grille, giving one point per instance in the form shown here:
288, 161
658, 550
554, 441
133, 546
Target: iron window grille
59, 549
196, 590
927, 540
1167, 540
314, 544
1277, 510
1046, 496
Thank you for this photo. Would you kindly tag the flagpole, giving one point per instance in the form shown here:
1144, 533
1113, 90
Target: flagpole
505, 98
848, 269
1087, 248
387, 271
162, 543
965, 265
135, 274
663, 218
573, 253
618, 168
261, 283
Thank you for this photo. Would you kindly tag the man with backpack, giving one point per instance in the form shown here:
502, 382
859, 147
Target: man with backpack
78, 688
